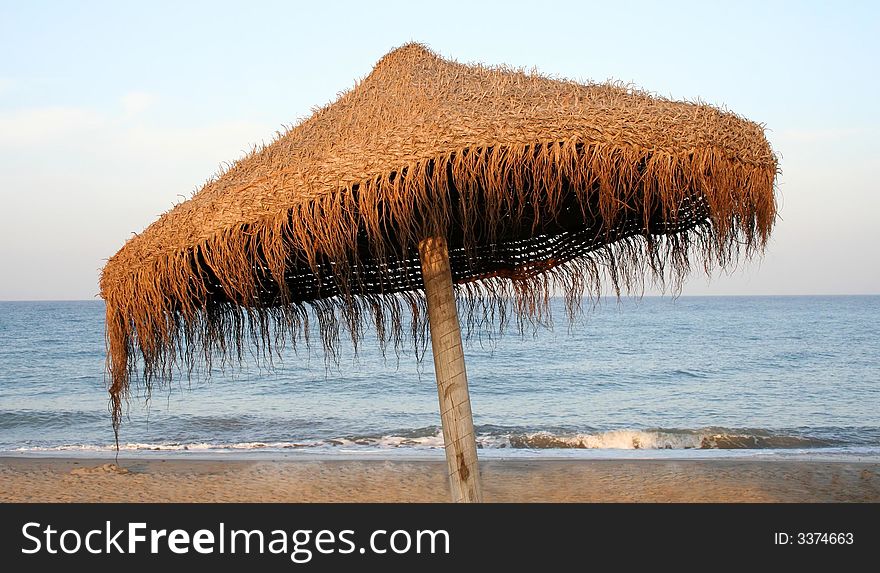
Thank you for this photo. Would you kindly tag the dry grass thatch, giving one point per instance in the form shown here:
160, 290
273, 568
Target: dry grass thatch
540, 186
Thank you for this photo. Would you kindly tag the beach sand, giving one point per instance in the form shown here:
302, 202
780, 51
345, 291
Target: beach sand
184, 480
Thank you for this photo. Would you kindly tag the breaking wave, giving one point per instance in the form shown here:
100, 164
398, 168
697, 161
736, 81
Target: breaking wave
431, 438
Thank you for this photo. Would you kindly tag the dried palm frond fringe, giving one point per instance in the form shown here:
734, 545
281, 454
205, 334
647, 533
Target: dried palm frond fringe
523, 220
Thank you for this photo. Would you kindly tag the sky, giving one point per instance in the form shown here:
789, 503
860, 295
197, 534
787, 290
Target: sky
112, 112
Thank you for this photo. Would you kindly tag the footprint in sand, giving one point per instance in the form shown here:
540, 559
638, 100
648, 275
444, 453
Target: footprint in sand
103, 469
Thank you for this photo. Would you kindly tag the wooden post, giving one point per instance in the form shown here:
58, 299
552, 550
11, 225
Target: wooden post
455, 403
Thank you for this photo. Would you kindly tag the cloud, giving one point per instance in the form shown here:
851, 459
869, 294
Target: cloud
124, 132
230, 138
135, 103
40, 125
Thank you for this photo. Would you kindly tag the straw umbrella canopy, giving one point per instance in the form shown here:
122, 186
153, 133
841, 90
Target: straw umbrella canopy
430, 189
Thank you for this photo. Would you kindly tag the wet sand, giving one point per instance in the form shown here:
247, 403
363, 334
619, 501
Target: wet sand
183, 480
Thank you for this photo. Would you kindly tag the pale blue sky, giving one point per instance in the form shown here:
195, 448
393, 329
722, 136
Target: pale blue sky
111, 111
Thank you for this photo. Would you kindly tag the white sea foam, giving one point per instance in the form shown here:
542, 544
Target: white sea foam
614, 439
432, 439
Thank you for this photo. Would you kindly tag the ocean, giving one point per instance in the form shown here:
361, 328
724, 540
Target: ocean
653, 377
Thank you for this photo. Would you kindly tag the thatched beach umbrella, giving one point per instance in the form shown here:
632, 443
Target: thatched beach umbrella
433, 183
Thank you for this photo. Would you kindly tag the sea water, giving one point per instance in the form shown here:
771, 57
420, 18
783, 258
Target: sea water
648, 377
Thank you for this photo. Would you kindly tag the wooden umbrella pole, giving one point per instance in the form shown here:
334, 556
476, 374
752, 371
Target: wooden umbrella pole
452, 388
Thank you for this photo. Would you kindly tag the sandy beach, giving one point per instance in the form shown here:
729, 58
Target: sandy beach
182, 480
